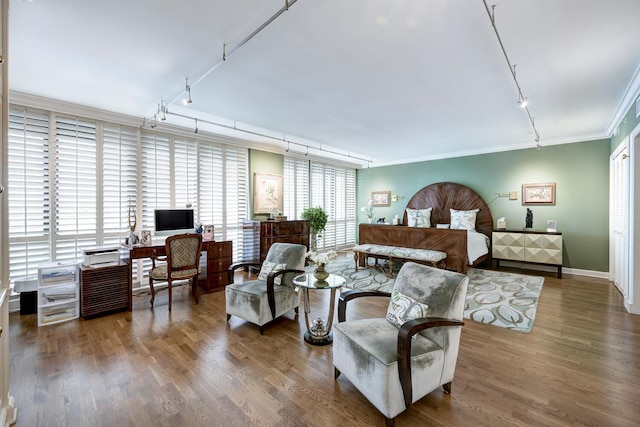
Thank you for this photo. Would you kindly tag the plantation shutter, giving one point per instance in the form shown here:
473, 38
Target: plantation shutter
28, 191
295, 186
333, 188
76, 181
119, 177
185, 154
155, 168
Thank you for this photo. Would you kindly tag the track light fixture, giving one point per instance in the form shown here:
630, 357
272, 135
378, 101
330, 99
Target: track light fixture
187, 88
162, 110
196, 131
523, 103
522, 100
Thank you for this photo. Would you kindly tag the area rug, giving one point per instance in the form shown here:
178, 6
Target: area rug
501, 299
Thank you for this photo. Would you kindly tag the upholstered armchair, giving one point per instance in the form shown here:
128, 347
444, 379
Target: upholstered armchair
272, 294
394, 366
182, 264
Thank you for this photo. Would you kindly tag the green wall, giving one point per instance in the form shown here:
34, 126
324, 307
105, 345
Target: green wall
580, 171
263, 162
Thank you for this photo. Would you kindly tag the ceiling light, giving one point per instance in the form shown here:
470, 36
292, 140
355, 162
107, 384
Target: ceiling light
196, 131
163, 110
187, 88
523, 103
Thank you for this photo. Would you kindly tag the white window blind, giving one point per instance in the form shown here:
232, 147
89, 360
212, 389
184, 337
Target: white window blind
155, 175
186, 174
28, 191
119, 180
76, 181
295, 185
333, 188
223, 191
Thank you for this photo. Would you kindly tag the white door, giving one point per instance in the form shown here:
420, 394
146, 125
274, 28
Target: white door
620, 218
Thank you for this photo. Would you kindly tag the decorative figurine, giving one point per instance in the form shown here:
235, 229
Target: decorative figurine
529, 219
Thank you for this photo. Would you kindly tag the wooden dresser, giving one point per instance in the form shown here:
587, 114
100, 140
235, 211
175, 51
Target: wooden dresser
219, 258
258, 236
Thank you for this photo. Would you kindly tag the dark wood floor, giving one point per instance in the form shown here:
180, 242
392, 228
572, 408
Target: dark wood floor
580, 366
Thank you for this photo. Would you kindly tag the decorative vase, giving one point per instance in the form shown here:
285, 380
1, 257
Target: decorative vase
320, 274
370, 220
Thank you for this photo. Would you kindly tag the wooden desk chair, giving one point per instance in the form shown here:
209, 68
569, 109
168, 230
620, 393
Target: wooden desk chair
182, 264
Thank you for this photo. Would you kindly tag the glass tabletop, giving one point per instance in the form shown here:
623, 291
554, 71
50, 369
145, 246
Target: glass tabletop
308, 281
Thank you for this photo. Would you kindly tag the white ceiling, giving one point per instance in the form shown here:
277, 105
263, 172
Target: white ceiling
390, 80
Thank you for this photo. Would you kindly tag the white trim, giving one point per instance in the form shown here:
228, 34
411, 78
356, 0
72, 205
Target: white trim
631, 93
494, 149
546, 268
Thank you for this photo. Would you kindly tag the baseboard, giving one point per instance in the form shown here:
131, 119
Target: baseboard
14, 302
546, 268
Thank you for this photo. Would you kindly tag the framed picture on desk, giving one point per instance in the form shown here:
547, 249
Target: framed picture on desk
146, 237
207, 233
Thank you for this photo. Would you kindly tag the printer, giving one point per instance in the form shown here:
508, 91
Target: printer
101, 256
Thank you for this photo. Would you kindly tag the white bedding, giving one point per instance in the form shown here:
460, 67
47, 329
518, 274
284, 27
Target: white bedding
477, 245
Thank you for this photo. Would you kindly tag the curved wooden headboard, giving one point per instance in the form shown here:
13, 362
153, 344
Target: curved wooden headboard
443, 196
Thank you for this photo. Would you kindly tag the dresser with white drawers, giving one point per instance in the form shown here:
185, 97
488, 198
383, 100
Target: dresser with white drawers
540, 247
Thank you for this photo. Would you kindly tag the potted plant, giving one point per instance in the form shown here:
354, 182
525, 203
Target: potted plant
317, 221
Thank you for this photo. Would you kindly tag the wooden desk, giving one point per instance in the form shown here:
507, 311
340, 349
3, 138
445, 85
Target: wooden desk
219, 258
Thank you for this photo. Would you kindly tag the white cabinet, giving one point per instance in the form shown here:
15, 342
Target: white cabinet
528, 246
58, 292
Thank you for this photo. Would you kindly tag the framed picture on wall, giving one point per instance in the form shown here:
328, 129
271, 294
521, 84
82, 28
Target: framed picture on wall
267, 193
539, 194
380, 198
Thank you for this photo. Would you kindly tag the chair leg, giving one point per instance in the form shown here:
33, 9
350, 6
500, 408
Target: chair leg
228, 317
336, 373
194, 289
391, 422
153, 291
170, 297
447, 387
262, 330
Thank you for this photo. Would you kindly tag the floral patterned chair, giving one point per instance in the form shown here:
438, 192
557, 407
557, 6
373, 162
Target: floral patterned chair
182, 263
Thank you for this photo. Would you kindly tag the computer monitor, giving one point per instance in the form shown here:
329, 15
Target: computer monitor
173, 220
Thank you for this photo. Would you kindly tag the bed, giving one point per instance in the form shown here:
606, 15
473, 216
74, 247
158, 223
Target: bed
464, 248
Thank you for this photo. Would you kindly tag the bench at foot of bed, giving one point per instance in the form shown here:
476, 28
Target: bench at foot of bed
397, 253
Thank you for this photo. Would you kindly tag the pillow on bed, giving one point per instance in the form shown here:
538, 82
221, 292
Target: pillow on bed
463, 220
419, 217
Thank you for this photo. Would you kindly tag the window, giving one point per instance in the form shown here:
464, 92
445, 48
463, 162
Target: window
75, 185
28, 191
331, 187
71, 181
295, 185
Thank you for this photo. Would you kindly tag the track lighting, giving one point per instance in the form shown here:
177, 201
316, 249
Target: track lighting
196, 131
522, 101
162, 109
187, 88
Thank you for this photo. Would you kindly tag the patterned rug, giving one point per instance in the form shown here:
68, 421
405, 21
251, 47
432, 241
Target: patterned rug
501, 299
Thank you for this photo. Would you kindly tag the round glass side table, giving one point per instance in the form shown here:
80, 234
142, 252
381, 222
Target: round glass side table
319, 329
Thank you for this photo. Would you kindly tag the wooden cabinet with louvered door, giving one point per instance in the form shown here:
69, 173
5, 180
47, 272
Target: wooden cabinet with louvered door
104, 290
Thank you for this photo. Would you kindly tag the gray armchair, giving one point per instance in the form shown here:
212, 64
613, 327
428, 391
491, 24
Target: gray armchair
395, 366
272, 294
